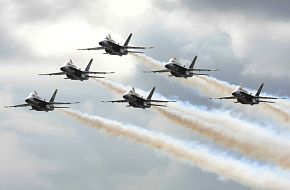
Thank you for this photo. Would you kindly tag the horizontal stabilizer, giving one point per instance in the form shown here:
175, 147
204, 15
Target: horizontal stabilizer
158, 105
96, 77
135, 52
200, 74
61, 107
264, 101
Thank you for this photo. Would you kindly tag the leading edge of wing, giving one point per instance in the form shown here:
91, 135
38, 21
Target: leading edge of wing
268, 97
116, 101
94, 48
60, 103
226, 97
157, 71
58, 73
193, 69
95, 72
19, 105
161, 101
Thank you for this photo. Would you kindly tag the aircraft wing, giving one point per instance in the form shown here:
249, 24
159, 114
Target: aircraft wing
136, 47
62, 103
266, 97
226, 97
59, 73
193, 69
158, 71
160, 101
94, 48
116, 101
91, 72
16, 106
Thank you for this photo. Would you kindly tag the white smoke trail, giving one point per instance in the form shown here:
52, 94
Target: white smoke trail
226, 130
247, 174
254, 142
214, 87
116, 87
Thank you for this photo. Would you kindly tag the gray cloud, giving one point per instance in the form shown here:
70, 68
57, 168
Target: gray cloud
268, 9
90, 160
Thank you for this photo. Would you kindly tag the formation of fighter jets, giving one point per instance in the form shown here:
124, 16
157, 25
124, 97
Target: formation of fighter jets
177, 70
131, 97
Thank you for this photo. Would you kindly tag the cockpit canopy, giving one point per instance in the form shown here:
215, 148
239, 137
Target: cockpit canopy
70, 63
132, 91
173, 60
240, 88
33, 95
109, 38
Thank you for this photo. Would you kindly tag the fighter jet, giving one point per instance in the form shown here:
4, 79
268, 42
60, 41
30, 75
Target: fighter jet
39, 104
137, 101
244, 97
73, 73
177, 70
113, 48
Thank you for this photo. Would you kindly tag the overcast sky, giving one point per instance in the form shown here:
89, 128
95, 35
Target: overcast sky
248, 41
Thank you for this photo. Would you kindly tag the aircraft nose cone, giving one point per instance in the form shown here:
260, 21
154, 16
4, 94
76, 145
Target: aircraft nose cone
62, 68
27, 100
125, 96
167, 66
101, 43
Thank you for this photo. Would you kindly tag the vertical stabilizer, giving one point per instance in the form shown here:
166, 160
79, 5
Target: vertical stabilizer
193, 62
128, 40
53, 96
151, 93
260, 89
89, 65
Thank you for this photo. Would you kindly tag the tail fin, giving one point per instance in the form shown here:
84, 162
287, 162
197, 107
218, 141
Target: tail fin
89, 65
53, 96
193, 62
151, 93
260, 89
128, 40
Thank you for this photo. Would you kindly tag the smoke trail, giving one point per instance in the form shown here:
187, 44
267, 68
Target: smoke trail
214, 87
147, 60
227, 131
201, 157
263, 145
117, 88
